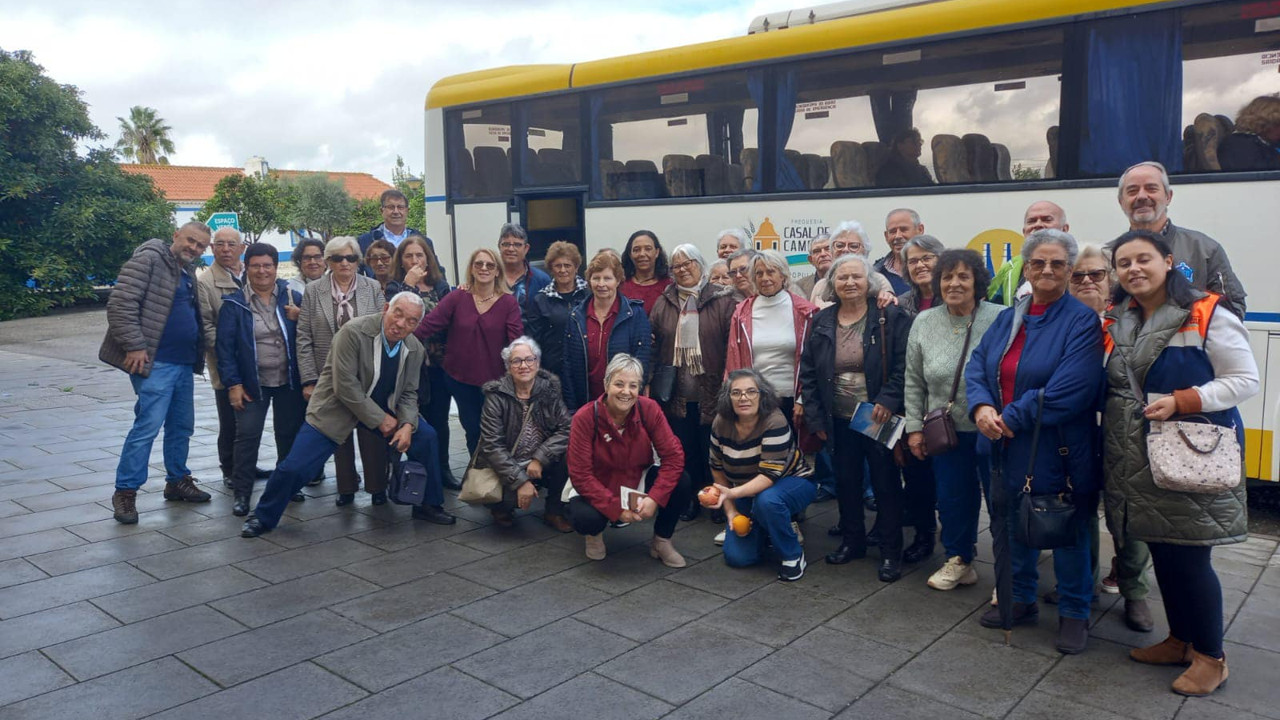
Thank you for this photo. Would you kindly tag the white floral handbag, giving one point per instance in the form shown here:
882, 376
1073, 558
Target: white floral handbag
1193, 456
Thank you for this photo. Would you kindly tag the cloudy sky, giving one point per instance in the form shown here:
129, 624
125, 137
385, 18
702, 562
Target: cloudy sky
324, 84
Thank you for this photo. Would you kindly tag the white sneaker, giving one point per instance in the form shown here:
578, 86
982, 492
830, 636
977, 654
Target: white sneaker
994, 600
799, 535
719, 538
954, 572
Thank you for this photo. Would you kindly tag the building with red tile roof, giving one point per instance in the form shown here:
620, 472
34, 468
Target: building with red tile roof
186, 185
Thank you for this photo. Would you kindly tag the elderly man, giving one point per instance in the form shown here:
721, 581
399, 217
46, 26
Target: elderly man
820, 258
900, 225
1040, 215
524, 280
731, 241
371, 379
223, 277
394, 228
154, 335
740, 273
1144, 196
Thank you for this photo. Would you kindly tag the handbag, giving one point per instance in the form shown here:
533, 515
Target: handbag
481, 485
1192, 455
939, 428
408, 482
1048, 520
663, 384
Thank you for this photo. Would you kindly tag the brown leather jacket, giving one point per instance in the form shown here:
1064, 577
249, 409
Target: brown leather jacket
715, 311
502, 418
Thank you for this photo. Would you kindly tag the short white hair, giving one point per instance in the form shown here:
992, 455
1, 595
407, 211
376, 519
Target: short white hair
691, 252
915, 216
522, 340
875, 281
410, 297
1164, 178
1049, 236
852, 227
622, 362
775, 260
343, 244
738, 233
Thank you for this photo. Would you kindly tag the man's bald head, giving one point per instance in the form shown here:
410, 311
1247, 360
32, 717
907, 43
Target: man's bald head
1044, 214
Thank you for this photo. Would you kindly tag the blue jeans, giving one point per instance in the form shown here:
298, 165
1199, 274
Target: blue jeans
770, 512
1070, 565
963, 477
470, 399
166, 398
311, 450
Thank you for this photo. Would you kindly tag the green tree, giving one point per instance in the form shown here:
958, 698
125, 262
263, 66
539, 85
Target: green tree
415, 190
317, 204
143, 136
365, 214
257, 201
67, 222
1022, 172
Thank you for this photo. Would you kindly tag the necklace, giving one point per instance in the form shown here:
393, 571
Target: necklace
485, 299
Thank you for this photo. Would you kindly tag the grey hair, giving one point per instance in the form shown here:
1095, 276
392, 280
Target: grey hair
230, 231
1049, 236
775, 260
852, 227
336, 245
740, 234
410, 297
768, 395
821, 238
691, 252
1164, 177
745, 252
875, 281
522, 340
927, 243
711, 270
915, 216
513, 230
622, 362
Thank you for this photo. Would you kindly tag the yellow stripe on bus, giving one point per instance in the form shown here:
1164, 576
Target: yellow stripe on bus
1257, 461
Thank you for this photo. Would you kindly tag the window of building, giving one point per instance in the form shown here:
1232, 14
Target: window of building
479, 142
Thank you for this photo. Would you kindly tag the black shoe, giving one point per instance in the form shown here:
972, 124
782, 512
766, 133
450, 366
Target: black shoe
345, 499
261, 473
692, 512
869, 502
823, 495
433, 514
1073, 635
1023, 614
718, 517
846, 553
241, 506
252, 527
920, 549
890, 570
1050, 598
298, 497
448, 480
792, 573
226, 482
836, 530
873, 537
378, 498
618, 524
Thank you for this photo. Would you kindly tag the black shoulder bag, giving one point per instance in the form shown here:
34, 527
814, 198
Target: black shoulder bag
1049, 520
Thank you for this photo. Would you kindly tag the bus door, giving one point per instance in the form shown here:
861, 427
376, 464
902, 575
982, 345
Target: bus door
549, 217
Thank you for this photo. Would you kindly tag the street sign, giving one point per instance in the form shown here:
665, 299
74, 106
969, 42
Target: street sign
220, 220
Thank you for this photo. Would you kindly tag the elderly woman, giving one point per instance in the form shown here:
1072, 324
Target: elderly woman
644, 263
769, 329
612, 444
937, 352
849, 238
258, 361
731, 241
1209, 375
327, 304
718, 274
546, 314
379, 259
308, 257
417, 270
1255, 142
759, 472
738, 266
524, 432
856, 354
690, 323
1040, 363
481, 319
605, 324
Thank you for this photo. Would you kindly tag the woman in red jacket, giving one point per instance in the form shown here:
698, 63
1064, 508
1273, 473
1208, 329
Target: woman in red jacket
611, 446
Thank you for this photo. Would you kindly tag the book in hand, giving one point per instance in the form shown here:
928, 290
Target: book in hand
886, 433
631, 498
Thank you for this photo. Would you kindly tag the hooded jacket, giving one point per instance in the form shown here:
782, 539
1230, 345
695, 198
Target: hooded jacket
139, 306
237, 350
502, 418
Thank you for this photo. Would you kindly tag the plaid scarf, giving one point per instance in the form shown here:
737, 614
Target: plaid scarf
688, 353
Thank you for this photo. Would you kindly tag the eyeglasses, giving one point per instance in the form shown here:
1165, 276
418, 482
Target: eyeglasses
738, 271
1094, 276
922, 260
682, 265
511, 245
853, 247
524, 362
484, 265
379, 259
748, 393
353, 259
401, 208
1038, 265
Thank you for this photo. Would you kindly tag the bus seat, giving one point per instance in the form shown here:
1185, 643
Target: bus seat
950, 164
1189, 162
532, 173
978, 156
816, 171
750, 166
641, 179
849, 164
1051, 167
681, 175
715, 174
877, 153
559, 167
1208, 131
1000, 152
797, 160
463, 171
493, 172
611, 172
737, 182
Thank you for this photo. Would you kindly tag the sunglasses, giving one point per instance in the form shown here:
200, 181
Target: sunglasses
353, 259
484, 265
1096, 276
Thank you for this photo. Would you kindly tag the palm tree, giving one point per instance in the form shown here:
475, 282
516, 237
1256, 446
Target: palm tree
142, 135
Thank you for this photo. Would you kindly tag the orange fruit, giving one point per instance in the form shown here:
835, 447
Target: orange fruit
741, 525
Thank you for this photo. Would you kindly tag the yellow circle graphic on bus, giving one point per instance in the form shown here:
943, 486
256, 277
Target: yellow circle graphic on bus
995, 246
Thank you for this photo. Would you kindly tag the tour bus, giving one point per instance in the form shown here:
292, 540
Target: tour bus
786, 132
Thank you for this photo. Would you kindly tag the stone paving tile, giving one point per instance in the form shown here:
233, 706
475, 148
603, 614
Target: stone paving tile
410, 533
986, 679
62, 517
134, 693
517, 567
107, 529
531, 606
852, 653
1103, 677
82, 557
37, 542
889, 703
28, 675
53, 501
589, 696
47, 627
414, 562
819, 681
301, 691
105, 480
166, 596
18, 571
402, 604
1207, 709
308, 560
714, 576
493, 539
9, 508
620, 572
203, 531
69, 588
294, 535
1258, 622
443, 693
900, 617
255, 653
684, 663
26, 489
204, 557
1041, 706
293, 597
652, 610
544, 658
128, 645
1253, 680
394, 657
746, 701
776, 614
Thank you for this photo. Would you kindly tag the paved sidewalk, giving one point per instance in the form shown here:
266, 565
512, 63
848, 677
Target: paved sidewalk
359, 612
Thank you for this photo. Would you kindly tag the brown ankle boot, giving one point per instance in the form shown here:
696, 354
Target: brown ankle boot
124, 503
1205, 675
1170, 651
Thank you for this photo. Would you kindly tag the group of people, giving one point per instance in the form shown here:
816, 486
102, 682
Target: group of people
659, 385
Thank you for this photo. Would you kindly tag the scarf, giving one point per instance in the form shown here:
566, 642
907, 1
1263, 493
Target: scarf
688, 353
344, 307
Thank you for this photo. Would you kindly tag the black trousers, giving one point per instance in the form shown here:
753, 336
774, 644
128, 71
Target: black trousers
553, 479
695, 440
587, 520
1192, 595
852, 448
920, 495
226, 431
435, 410
286, 404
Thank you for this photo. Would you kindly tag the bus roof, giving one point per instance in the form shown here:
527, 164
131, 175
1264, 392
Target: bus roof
904, 23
